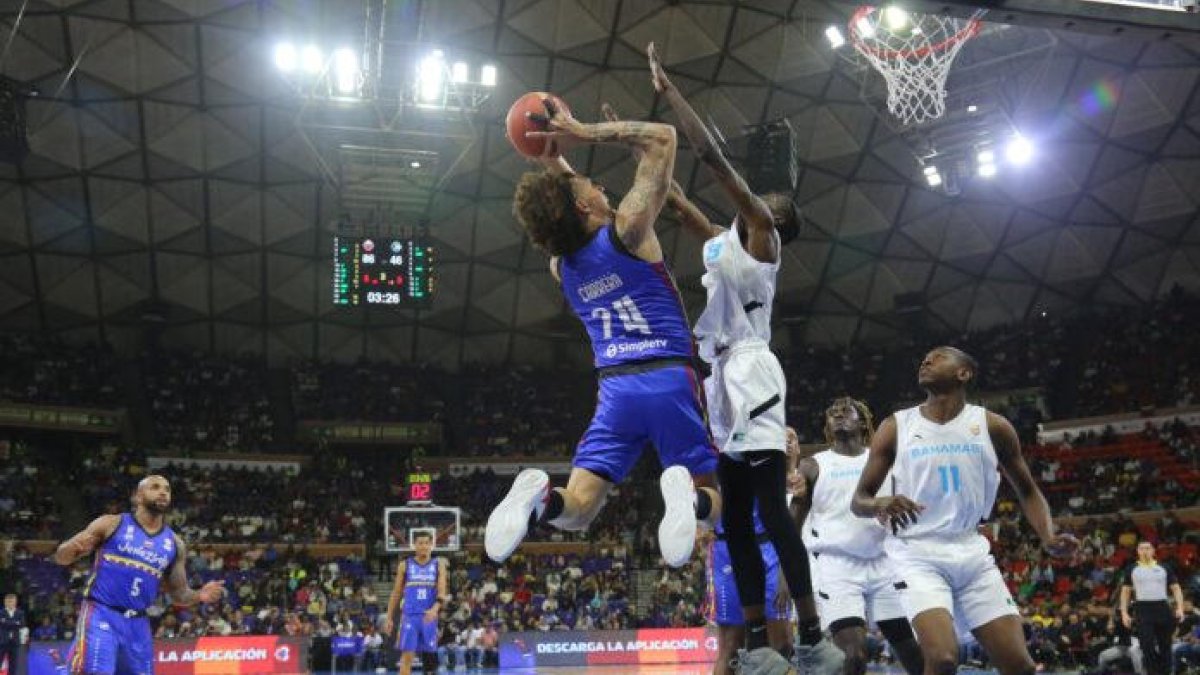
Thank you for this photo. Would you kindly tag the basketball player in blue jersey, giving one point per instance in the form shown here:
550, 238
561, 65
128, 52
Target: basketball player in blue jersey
725, 608
946, 458
134, 551
421, 582
611, 269
851, 573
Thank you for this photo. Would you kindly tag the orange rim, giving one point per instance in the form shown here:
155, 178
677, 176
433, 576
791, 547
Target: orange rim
966, 33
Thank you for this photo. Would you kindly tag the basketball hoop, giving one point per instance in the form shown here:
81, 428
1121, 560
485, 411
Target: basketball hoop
913, 52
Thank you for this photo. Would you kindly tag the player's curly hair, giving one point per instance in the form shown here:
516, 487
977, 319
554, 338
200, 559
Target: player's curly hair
544, 204
864, 412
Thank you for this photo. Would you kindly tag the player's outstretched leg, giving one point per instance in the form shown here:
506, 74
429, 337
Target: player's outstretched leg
677, 531
509, 522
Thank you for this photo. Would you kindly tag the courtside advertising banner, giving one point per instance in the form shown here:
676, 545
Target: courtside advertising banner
607, 647
200, 656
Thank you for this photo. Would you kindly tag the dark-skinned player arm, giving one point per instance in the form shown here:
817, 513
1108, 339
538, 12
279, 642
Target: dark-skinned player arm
801, 485
87, 540
1033, 502
690, 217
750, 207
177, 586
896, 511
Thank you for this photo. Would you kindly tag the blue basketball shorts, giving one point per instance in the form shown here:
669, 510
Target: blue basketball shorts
664, 407
725, 608
417, 634
109, 643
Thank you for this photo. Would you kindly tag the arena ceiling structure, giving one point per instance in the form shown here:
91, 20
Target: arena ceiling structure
177, 182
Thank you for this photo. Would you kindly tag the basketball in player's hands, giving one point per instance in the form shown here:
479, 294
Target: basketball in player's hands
530, 113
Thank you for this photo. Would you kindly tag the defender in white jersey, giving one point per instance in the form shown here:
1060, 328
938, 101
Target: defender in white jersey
852, 575
946, 458
746, 389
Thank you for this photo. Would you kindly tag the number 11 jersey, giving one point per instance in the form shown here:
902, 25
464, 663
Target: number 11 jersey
949, 468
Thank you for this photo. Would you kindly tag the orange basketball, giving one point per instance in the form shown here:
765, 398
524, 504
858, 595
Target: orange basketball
517, 123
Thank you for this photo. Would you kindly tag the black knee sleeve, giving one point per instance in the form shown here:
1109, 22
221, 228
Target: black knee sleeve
429, 662
896, 630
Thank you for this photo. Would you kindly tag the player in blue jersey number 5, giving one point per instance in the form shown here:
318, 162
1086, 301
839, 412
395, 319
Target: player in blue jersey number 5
134, 552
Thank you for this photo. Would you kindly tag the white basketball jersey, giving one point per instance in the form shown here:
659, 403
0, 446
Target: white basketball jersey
831, 526
949, 468
741, 291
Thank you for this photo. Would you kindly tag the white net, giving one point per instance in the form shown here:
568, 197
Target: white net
914, 53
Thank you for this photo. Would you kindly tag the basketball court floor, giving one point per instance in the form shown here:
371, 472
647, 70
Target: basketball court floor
672, 669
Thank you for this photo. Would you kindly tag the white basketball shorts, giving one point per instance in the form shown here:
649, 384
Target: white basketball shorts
746, 393
955, 573
855, 588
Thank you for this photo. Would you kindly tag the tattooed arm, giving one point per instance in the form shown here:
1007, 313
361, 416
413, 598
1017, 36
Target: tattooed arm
655, 142
687, 213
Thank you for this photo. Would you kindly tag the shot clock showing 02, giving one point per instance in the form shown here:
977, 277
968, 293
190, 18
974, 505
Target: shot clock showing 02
420, 488
386, 271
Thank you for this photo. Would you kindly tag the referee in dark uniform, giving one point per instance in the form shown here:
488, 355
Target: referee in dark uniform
1149, 582
12, 621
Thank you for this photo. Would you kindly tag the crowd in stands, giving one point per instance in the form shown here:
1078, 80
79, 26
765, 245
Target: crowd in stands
522, 411
1068, 604
27, 508
1102, 473
1149, 359
1084, 365
372, 391
201, 402
205, 402
48, 370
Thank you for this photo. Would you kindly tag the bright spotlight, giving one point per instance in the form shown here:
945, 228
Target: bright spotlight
835, 37
310, 60
987, 170
986, 157
972, 108
345, 71
414, 164
865, 27
285, 57
487, 76
934, 179
895, 18
429, 76
458, 74
1019, 150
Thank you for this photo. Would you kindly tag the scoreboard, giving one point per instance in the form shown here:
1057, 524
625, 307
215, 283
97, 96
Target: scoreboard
388, 271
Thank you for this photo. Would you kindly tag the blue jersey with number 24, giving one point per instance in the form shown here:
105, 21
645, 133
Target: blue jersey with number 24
631, 308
